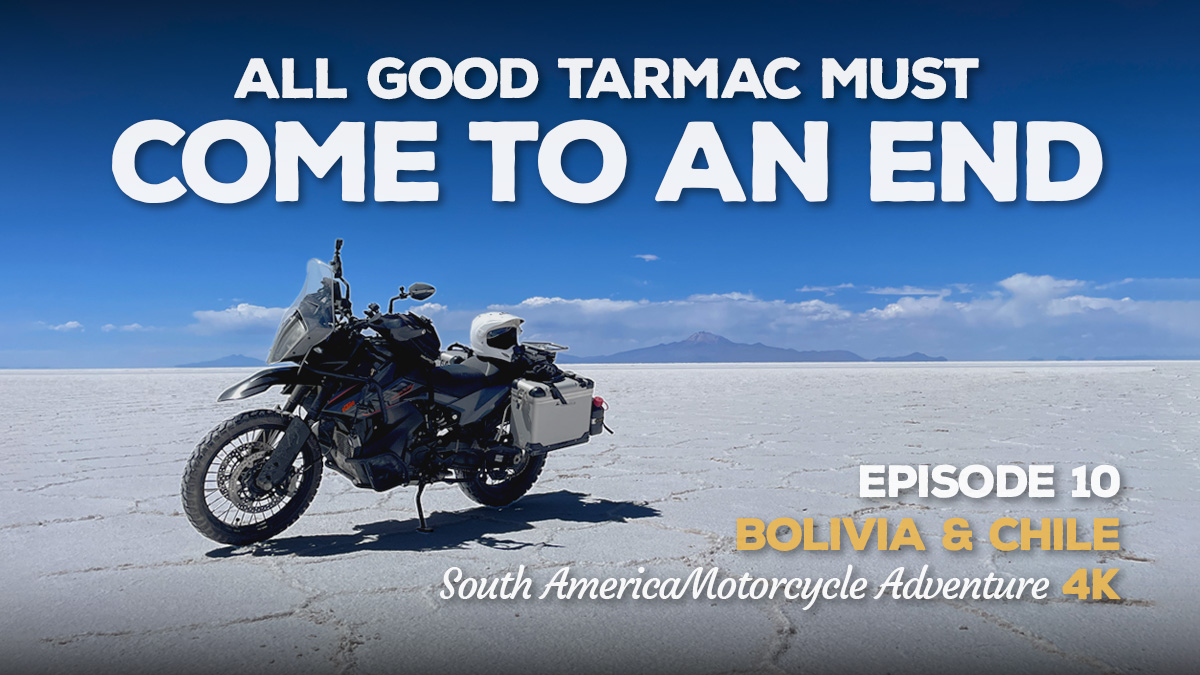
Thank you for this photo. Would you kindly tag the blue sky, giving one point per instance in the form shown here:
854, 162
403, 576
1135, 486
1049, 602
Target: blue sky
101, 280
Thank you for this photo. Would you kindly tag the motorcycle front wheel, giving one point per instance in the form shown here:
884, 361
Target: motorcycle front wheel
220, 496
498, 488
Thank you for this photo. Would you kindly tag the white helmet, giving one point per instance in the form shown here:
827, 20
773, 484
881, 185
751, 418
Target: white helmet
494, 335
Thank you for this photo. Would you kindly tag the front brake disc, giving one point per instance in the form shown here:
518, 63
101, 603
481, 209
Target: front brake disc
236, 479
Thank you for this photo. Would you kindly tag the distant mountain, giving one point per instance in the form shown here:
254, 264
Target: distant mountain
231, 361
915, 356
705, 347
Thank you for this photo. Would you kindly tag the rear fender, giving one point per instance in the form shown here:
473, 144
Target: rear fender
284, 373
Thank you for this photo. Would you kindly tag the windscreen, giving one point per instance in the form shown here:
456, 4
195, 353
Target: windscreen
310, 318
315, 302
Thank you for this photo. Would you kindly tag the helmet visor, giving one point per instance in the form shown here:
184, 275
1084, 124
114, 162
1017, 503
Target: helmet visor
502, 338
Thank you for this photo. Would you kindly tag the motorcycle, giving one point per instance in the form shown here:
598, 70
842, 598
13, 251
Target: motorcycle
377, 400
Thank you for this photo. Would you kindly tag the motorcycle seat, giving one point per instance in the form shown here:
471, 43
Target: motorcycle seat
459, 380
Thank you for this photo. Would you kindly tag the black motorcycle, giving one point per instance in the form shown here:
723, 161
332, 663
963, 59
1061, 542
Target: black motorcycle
377, 400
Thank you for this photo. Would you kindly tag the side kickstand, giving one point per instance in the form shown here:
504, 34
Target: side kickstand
423, 527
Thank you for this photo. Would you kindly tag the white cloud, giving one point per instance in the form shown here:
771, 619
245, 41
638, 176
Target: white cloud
915, 307
1079, 304
1185, 282
589, 306
1047, 317
1122, 282
827, 290
1044, 286
719, 297
1018, 317
242, 317
127, 328
648, 257
1162, 287
907, 290
603, 325
65, 327
427, 308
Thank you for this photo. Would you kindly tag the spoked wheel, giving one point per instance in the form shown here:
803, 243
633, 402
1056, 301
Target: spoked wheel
220, 495
501, 486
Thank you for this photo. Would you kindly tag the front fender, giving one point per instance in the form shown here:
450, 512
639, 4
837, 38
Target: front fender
283, 373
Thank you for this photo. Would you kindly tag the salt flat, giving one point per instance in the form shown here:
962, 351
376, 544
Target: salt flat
102, 572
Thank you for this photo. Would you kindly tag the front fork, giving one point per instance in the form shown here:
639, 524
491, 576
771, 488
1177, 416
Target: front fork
288, 446
289, 407
297, 395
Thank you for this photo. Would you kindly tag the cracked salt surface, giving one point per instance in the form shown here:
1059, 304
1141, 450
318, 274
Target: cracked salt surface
102, 573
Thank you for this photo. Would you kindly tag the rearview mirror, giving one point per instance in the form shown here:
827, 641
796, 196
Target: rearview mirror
419, 291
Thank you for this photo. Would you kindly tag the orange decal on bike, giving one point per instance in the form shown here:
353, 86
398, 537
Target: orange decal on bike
396, 396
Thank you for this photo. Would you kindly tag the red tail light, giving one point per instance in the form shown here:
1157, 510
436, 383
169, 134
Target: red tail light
598, 402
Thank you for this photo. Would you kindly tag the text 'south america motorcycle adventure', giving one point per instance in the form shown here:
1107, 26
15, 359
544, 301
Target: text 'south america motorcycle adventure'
377, 400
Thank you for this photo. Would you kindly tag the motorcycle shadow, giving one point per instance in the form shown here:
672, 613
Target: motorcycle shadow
455, 529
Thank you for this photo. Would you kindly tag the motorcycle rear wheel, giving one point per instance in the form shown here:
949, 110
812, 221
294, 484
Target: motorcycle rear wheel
489, 491
220, 498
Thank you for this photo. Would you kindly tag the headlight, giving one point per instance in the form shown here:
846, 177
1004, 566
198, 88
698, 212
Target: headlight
291, 331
